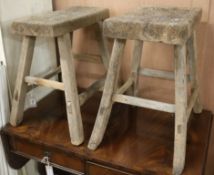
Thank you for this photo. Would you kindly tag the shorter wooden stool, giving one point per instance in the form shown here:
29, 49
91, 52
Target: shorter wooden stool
59, 25
167, 25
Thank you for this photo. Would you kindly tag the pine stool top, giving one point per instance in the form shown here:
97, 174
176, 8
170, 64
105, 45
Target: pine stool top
56, 23
167, 25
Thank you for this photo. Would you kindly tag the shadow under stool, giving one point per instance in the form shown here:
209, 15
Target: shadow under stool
174, 26
59, 25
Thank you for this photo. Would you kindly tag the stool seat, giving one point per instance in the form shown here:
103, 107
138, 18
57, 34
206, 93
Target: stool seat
156, 24
57, 23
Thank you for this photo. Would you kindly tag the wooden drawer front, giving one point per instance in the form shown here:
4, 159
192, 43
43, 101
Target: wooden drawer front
96, 169
36, 151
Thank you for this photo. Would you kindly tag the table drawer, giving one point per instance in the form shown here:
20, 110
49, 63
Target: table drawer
95, 169
57, 157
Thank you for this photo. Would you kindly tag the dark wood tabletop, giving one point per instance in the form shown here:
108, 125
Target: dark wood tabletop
137, 141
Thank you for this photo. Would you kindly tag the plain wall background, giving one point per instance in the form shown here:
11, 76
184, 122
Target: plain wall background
155, 55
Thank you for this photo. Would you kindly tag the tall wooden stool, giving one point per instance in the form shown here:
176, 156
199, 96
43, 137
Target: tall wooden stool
167, 25
59, 25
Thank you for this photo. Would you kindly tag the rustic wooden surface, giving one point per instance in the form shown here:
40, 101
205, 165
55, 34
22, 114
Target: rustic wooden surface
193, 60
136, 59
110, 88
103, 45
59, 22
20, 89
71, 92
181, 104
146, 147
167, 25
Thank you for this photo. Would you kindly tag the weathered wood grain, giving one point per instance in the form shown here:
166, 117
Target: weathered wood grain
140, 102
136, 59
106, 102
103, 45
52, 73
180, 109
193, 57
159, 74
191, 102
83, 97
167, 25
20, 86
71, 93
59, 22
91, 90
125, 86
44, 82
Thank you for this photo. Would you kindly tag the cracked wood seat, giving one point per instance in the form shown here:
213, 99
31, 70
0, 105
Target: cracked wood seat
173, 26
60, 26
167, 25
57, 23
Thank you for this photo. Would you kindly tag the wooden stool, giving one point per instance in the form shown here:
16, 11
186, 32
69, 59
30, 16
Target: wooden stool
59, 25
167, 25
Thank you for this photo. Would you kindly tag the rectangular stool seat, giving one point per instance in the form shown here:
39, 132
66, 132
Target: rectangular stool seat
167, 25
56, 23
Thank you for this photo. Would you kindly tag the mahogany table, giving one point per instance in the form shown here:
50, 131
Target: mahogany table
137, 141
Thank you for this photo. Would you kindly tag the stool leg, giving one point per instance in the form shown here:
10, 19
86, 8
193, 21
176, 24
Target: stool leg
106, 101
103, 45
71, 93
20, 90
192, 50
181, 110
137, 53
